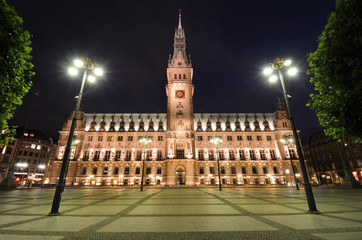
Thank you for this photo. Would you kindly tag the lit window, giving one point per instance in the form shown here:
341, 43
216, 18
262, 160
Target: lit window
100, 138
38, 147
32, 146
110, 138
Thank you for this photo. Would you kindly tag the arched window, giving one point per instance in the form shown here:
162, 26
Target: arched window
148, 170
233, 171
126, 170
84, 170
254, 170
95, 170
212, 170
184, 76
116, 170
179, 76
275, 169
222, 170
137, 170
265, 171
201, 170
175, 76
105, 170
243, 169
159, 170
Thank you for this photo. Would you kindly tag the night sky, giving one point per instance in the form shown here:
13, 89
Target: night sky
230, 43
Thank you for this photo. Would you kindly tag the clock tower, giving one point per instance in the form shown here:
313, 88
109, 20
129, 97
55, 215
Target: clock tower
180, 90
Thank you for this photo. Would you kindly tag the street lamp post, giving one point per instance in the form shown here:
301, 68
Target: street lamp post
287, 140
278, 64
145, 141
216, 141
88, 65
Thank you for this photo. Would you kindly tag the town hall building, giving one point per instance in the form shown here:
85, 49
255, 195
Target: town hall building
109, 151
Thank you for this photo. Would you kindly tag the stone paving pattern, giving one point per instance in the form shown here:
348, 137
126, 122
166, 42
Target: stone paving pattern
181, 213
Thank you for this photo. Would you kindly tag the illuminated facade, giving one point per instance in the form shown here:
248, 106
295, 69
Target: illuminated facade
110, 153
32, 158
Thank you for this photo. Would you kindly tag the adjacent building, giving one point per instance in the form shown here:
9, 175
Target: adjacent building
32, 158
328, 159
109, 151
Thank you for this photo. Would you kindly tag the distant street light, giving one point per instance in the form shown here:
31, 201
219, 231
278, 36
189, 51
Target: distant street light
145, 141
88, 66
277, 65
216, 141
288, 140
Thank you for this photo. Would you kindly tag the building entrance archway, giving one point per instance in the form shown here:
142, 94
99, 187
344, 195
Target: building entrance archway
180, 175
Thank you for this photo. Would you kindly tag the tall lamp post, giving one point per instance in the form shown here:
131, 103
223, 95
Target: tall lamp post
288, 140
216, 141
277, 65
88, 66
145, 141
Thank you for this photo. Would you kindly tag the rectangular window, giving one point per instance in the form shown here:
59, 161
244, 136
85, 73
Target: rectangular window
128, 155
160, 138
33, 146
291, 152
130, 138
118, 155
272, 154
229, 138
86, 156
240, 138
242, 155
100, 138
110, 138
96, 155
209, 138
258, 138
249, 138
231, 155
139, 155
233, 170
201, 155
149, 155
25, 153
221, 155
120, 138
269, 138
212, 170
31, 154
252, 155
211, 155
199, 138
90, 138
159, 154
262, 155
107, 156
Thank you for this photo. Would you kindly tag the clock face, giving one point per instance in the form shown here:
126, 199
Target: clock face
180, 94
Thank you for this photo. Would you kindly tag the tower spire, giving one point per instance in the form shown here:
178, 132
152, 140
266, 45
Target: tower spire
179, 19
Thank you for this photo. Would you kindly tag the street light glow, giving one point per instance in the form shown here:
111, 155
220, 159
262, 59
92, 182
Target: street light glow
72, 71
91, 78
288, 62
292, 71
98, 71
267, 71
78, 63
273, 78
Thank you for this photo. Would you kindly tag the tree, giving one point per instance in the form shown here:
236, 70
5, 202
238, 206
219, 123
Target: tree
15, 67
336, 67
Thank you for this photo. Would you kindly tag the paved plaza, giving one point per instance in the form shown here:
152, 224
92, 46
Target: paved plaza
181, 213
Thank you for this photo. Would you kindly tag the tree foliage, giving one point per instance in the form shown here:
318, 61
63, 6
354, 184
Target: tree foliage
336, 69
15, 66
